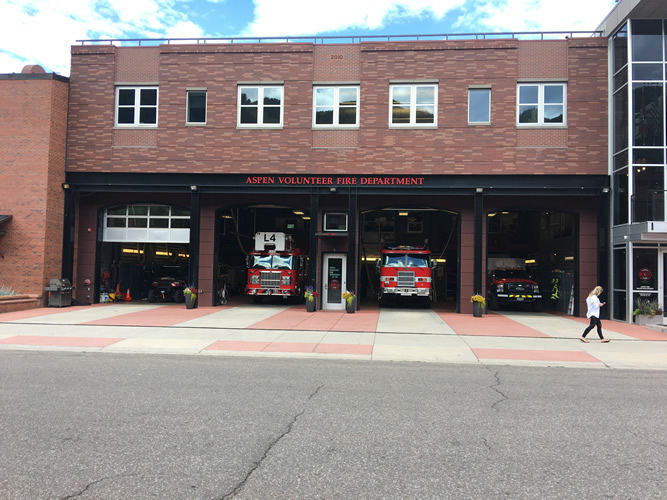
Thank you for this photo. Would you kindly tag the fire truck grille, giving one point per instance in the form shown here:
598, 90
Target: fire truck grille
406, 279
270, 279
518, 287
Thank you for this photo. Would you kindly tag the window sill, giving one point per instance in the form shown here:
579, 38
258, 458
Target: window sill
479, 124
193, 124
259, 127
331, 127
413, 127
539, 126
135, 127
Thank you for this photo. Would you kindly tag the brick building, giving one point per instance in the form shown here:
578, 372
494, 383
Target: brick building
490, 150
33, 131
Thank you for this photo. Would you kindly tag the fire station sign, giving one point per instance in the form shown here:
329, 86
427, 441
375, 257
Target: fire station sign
333, 181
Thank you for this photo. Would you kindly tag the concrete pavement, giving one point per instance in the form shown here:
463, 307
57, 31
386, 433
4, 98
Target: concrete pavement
391, 334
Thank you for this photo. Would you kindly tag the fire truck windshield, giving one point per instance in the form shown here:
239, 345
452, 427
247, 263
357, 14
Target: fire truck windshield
405, 260
272, 262
282, 262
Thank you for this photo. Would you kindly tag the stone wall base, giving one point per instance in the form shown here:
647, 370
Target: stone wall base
21, 302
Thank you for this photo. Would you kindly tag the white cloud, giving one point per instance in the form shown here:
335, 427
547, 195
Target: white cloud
535, 15
42, 31
298, 17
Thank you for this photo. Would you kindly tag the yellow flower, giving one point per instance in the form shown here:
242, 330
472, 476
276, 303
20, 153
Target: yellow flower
478, 298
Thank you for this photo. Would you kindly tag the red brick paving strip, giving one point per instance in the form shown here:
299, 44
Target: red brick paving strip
493, 325
296, 318
60, 341
159, 316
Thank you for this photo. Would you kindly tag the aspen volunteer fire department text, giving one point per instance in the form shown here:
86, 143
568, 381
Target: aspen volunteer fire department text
336, 181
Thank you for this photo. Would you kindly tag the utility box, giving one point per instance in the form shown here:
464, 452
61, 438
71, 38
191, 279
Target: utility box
60, 293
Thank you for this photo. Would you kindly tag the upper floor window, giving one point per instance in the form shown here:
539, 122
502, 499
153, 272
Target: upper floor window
336, 107
196, 107
136, 106
479, 106
260, 106
541, 104
413, 105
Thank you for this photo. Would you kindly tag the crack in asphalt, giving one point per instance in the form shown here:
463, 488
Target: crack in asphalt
486, 444
94, 483
504, 397
268, 449
647, 440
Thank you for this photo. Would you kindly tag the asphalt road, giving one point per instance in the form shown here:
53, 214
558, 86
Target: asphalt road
109, 426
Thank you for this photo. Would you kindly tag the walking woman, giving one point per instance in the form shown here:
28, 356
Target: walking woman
594, 304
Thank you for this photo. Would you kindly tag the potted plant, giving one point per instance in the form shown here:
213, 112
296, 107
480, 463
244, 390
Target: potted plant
310, 295
350, 301
648, 312
478, 305
190, 293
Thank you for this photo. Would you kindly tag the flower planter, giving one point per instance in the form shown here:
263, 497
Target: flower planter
310, 305
190, 301
645, 319
351, 306
477, 309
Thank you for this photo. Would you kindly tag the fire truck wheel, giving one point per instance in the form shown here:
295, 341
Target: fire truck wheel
152, 296
382, 300
493, 303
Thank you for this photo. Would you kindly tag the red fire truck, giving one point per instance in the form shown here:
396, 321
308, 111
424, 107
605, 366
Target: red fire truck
406, 271
276, 267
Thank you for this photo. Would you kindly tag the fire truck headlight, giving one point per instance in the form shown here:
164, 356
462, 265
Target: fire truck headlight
536, 288
286, 280
499, 288
254, 279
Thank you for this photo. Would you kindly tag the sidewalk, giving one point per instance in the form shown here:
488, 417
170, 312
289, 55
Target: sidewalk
392, 334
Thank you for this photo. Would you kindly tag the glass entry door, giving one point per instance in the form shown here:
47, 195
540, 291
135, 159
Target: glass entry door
333, 279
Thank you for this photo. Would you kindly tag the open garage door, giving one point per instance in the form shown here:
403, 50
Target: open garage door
386, 231
145, 250
531, 258
236, 230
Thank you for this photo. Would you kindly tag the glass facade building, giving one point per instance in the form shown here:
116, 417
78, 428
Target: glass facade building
638, 74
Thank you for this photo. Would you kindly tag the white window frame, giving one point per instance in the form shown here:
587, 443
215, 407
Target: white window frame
144, 233
336, 107
541, 104
187, 106
472, 90
137, 106
413, 105
326, 221
260, 106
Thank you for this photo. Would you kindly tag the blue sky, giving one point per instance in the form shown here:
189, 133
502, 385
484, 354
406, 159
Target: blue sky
42, 31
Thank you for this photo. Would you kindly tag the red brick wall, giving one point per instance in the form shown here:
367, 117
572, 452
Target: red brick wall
454, 147
32, 168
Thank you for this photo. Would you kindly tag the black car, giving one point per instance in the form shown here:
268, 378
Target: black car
167, 289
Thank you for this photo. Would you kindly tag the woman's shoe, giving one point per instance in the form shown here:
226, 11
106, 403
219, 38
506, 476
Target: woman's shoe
605, 340
583, 339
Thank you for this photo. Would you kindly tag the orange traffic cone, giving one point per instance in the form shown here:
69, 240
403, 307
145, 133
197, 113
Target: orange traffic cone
127, 296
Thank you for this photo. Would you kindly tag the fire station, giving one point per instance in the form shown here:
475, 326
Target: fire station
178, 154
490, 151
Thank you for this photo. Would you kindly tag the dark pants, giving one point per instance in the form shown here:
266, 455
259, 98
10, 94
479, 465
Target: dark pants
595, 321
